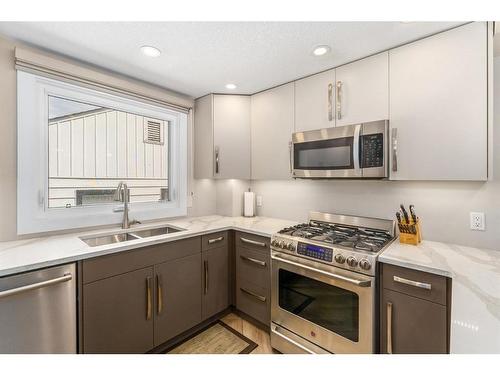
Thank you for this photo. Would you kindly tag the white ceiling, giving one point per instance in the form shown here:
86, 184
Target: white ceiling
201, 57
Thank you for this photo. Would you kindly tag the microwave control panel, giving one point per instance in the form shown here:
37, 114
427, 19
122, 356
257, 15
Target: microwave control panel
372, 146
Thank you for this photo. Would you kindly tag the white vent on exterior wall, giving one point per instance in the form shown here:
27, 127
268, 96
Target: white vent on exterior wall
153, 132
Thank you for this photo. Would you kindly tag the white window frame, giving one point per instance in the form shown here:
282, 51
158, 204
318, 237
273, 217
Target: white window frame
33, 214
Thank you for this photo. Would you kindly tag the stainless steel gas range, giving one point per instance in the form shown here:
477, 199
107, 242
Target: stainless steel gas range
324, 284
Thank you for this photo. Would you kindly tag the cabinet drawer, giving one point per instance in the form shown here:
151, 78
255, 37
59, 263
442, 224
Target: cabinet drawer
253, 266
214, 240
115, 264
415, 283
252, 241
253, 300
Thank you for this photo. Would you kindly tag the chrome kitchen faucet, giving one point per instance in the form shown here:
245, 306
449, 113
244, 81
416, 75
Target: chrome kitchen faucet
122, 194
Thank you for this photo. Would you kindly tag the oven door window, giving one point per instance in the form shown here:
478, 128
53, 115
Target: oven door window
326, 154
328, 306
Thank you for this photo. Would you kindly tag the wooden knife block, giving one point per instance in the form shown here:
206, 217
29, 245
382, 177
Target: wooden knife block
409, 238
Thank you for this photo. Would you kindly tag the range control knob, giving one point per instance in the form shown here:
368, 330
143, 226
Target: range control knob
352, 262
339, 258
365, 264
274, 243
290, 247
282, 244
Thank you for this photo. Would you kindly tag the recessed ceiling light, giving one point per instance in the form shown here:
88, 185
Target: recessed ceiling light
321, 50
230, 86
150, 51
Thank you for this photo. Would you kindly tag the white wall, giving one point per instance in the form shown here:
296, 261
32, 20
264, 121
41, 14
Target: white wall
443, 206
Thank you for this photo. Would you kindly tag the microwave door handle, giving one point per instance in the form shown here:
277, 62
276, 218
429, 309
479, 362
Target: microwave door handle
355, 149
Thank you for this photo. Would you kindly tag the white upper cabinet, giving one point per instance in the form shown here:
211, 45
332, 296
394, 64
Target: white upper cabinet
439, 106
272, 127
315, 101
362, 90
222, 137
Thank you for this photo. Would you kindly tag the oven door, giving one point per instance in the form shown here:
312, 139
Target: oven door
327, 306
327, 153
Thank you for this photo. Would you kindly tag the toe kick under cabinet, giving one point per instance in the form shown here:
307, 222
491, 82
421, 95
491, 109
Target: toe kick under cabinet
414, 312
253, 276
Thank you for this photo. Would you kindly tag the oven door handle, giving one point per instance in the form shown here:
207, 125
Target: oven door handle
290, 341
361, 283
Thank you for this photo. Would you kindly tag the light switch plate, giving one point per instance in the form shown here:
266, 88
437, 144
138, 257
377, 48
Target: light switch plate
259, 200
477, 221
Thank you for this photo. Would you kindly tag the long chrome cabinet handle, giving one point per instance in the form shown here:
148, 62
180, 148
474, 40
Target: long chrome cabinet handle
205, 271
309, 351
216, 159
339, 100
389, 327
355, 149
149, 305
330, 102
214, 240
159, 291
256, 261
41, 284
252, 242
290, 152
362, 283
417, 284
255, 295
394, 138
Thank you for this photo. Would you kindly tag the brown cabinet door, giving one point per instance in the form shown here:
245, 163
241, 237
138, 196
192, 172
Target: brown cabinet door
215, 283
411, 325
178, 299
118, 313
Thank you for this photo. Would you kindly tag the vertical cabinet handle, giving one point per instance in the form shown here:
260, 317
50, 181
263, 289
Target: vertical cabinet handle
216, 159
389, 327
290, 148
159, 291
330, 102
205, 269
394, 139
148, 298
339, 100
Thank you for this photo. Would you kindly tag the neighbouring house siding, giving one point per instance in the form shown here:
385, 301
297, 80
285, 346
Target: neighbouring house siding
99, 149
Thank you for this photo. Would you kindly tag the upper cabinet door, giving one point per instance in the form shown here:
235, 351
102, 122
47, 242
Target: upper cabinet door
315, 101
362, 90
222, 137
272, 127
438, 106
203, 137
232, 136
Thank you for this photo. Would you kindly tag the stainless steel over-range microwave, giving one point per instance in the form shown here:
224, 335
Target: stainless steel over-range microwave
352, 151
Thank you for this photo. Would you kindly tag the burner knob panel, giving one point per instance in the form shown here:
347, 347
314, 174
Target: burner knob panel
290, 247
365, 264
339, 258
281, 244
352, 262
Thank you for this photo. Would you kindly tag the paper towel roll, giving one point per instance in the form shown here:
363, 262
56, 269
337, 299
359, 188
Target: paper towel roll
248, 203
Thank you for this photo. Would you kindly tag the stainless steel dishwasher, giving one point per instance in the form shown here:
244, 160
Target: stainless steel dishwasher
38, 311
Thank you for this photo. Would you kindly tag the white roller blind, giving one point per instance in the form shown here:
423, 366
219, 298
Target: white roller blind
64, 69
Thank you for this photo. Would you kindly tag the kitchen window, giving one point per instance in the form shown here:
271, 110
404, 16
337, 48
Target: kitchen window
76, 144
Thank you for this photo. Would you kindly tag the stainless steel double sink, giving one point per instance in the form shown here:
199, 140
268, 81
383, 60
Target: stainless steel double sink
129, 236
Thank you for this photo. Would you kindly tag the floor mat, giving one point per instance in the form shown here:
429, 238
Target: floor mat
217, 338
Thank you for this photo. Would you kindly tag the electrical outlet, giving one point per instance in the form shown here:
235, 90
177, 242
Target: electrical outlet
477, 220
259, 200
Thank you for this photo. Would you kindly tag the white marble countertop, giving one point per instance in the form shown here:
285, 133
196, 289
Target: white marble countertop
25, 255
475, 274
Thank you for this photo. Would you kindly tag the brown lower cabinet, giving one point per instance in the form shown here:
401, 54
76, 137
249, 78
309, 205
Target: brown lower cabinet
117, 313
178, 302
414, 312
215, 272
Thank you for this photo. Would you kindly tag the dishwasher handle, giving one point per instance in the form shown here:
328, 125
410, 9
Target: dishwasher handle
41, 284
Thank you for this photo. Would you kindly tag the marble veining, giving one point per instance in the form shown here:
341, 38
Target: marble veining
475, 274
25, 255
